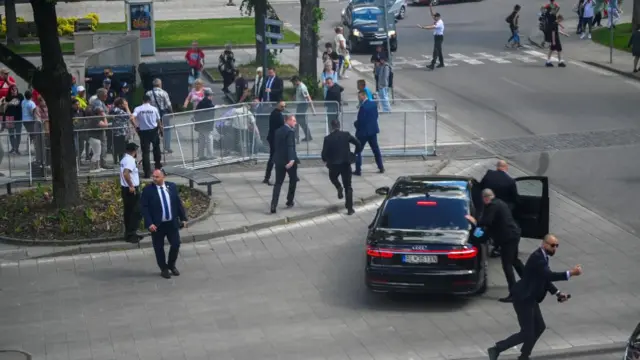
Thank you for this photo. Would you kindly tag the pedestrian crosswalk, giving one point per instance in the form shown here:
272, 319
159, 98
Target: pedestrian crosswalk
526, 55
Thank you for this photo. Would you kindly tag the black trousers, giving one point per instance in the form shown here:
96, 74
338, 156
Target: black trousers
148, 138
343, 171
281, 173
119, 148
272, 150
597, 19
531, 328
171, 231
131, 205
510, 260
227, 79
437, 49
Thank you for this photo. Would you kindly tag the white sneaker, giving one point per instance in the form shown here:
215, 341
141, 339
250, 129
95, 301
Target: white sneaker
589, 36
582, 36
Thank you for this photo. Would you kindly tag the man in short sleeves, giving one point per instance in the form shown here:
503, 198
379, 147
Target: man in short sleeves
130, 183
150, 130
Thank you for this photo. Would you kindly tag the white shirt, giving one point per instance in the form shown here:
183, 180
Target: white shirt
588, 10
339, 39
128, 162
439, 29
165, 217
147, 116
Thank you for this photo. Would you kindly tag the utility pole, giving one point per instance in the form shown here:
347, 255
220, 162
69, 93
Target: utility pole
611, 6
386, 29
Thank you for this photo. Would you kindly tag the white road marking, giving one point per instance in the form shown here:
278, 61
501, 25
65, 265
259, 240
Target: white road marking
466, 59
633, 83
493, 58
470, 168
514, 83
535, 53
399, 59
525, 59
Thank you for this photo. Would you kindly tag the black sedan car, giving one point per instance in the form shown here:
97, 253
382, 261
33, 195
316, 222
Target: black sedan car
420, 240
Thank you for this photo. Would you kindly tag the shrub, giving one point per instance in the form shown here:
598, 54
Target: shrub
66, 26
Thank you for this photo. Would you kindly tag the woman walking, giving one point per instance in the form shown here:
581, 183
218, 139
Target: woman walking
634, 44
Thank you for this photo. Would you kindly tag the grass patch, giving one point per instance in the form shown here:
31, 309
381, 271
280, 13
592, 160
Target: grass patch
30, 214
621, 35
180, 33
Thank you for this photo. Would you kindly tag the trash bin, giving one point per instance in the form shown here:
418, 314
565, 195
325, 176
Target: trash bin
174, 76
122, 73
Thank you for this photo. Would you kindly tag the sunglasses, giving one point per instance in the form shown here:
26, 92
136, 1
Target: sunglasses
554, 245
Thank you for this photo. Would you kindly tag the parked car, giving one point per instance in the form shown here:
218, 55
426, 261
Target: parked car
398, 8
364, 27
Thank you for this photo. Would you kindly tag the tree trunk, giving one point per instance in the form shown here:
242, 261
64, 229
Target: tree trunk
259, 11
635, 19
12, 22
308, 65
53, 81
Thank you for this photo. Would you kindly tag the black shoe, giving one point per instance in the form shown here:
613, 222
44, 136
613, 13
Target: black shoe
495, 253
307, 139
134, 239
266, 181
165, 274
562, 64
357, 173
522, 357
289, 205
440, 66
174, 271
272, 210
340, 194
431, 67
381, 171
507, 299
635, 70
350, 211
493, 353
548, 64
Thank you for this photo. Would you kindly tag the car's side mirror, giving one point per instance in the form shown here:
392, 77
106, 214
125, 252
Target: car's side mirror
383, 190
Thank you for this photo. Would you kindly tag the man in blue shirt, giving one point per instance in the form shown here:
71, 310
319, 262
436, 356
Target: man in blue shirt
362, 86
367, 131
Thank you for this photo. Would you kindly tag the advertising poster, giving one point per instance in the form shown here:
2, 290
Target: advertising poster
141, 19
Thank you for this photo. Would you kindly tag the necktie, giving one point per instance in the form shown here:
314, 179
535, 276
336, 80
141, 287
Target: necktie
165, 204
269, 87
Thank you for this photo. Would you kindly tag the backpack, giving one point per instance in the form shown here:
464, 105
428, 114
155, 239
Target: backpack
510, 18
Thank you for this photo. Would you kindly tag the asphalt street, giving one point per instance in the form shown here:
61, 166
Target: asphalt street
504, 96
297, 292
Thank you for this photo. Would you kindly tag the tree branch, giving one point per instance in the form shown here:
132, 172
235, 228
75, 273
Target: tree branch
19, 65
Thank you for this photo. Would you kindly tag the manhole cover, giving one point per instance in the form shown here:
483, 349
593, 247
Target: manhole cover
14, 355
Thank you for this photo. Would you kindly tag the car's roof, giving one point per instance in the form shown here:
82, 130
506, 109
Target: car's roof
429, 178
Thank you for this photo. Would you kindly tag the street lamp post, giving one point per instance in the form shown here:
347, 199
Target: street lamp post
386, 29
610, 32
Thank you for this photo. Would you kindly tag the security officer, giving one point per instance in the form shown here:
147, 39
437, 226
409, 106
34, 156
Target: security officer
337, 155
505, 189
130, 182
438, 38
150, 130
498, 222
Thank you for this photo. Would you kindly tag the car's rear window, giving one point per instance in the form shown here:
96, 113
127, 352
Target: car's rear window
426, 213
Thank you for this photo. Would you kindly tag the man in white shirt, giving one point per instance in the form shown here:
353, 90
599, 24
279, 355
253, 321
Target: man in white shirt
438, 38
150, 130
341, 50
130, 182
587, 18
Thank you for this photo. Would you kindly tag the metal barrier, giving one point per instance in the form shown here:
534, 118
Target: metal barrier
226, 134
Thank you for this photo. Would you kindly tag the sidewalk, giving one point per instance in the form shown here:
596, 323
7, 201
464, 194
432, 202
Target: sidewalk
589, 52
243, 201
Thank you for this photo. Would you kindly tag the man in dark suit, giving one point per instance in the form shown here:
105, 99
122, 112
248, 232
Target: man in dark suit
367, 131
272, 87
528, 293
276, 121
497, 220
504, 187
163, 215
336, 154
285, 161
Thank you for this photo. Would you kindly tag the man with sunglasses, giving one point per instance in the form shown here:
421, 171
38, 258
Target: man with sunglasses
497, 221
528, 293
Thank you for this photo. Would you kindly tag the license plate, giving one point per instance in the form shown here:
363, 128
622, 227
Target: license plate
376, 43
420, 259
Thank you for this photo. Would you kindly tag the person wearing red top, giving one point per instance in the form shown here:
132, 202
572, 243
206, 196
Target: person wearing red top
195, 59
5, 82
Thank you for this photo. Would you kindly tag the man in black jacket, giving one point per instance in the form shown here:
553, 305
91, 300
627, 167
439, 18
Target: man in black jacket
497, 221
272, 88
504, 187
204, 125
285, 160
333, 100
276, 121
337, 155
528, 293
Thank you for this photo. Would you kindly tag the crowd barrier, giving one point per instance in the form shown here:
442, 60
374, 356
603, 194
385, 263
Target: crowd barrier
222, 135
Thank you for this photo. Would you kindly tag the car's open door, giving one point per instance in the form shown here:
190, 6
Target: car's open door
532, 209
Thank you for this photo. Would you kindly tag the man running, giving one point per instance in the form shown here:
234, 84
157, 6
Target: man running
555, 42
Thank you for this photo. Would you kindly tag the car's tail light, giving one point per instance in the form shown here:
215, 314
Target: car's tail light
469, 253
427, 203
375, 252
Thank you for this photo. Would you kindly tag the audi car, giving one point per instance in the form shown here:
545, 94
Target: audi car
421, 241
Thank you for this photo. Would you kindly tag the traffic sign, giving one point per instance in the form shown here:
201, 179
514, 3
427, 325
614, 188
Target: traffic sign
259, 37
271, 35
280, 46
273, 22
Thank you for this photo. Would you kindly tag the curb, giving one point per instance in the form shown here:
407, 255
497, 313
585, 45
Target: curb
192, 238
570, 353
12, 353
93, 241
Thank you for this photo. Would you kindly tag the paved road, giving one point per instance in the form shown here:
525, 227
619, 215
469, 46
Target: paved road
496, 94
296, 292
